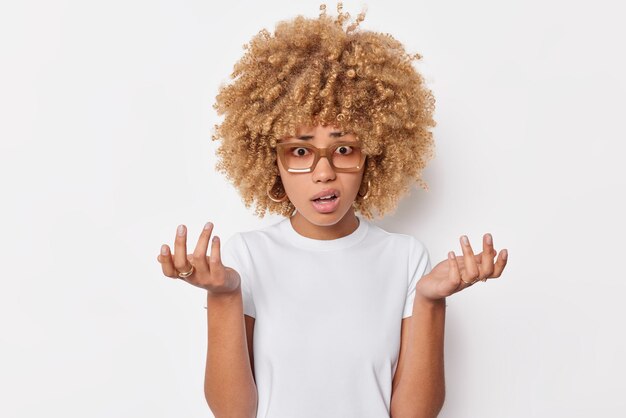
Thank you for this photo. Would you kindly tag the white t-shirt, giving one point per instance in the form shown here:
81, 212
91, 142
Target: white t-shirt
328, 316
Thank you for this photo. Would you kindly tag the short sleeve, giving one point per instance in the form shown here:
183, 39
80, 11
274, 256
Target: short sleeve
235, 254
419, 265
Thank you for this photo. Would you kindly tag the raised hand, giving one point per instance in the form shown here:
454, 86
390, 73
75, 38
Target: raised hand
457, 273
208, 271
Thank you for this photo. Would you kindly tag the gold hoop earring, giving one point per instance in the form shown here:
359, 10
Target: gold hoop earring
367, 193
274, 198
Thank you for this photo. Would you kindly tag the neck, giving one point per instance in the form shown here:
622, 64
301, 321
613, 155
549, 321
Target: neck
346, 225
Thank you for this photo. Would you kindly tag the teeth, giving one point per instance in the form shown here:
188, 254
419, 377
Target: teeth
325, 198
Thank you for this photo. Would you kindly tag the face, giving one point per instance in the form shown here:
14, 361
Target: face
319, 219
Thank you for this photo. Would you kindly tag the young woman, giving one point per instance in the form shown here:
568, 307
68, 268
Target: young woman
325, 314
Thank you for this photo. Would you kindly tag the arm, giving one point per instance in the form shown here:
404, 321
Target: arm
419, 384
229, 386
418, 387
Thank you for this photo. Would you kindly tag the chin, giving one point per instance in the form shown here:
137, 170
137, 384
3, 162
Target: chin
323, 219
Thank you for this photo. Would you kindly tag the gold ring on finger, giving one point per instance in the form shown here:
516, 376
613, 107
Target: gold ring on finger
186, 274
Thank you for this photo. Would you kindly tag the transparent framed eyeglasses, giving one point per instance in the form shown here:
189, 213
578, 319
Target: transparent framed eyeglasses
344, 157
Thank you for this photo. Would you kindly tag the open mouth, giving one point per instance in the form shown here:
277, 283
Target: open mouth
326, 199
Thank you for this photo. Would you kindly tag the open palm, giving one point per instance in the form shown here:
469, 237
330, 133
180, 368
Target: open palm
457, 273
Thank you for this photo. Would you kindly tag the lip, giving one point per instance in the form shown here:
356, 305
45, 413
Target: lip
326, 207
326, 192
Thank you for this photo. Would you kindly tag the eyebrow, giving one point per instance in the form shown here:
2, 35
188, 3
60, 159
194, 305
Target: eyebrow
332, 134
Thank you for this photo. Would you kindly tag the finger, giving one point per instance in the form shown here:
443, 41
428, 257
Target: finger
199, 254
165, 258
500, 263
180, 250
470, 273
215, 260
486, 262
454, 274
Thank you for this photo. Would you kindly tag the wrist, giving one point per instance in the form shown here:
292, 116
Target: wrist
427, 301
223, 297
424, 301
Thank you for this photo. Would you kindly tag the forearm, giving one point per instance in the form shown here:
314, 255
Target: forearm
229, 386
421, 391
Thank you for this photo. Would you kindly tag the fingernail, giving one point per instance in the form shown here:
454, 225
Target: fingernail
207, 225
181, 230
489, 241
164, 250
465, 240
505, 254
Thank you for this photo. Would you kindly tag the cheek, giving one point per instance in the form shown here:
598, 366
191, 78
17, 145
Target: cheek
293, 184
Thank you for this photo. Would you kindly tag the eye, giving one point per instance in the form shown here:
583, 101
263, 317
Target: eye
299, 152
344, 150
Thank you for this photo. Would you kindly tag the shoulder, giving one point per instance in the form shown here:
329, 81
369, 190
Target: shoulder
251, 241
260, 235
400, 240
406, 246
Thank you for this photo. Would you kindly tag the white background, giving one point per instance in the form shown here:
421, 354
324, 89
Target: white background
106, 123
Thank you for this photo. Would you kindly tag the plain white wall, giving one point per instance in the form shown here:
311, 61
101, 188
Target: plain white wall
106, 120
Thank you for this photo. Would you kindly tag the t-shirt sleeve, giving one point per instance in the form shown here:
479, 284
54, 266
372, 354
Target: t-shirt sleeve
419, 265
235, 254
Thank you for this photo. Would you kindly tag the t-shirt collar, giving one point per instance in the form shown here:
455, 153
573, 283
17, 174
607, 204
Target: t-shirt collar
321, 244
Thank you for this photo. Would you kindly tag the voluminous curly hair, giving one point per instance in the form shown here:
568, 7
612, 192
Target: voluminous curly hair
318, 71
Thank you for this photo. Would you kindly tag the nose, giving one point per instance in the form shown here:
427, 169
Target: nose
323, 171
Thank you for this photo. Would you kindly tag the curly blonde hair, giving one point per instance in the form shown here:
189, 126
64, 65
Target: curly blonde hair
317, 71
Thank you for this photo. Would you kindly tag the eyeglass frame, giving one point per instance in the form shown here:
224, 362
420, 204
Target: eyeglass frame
318, 154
